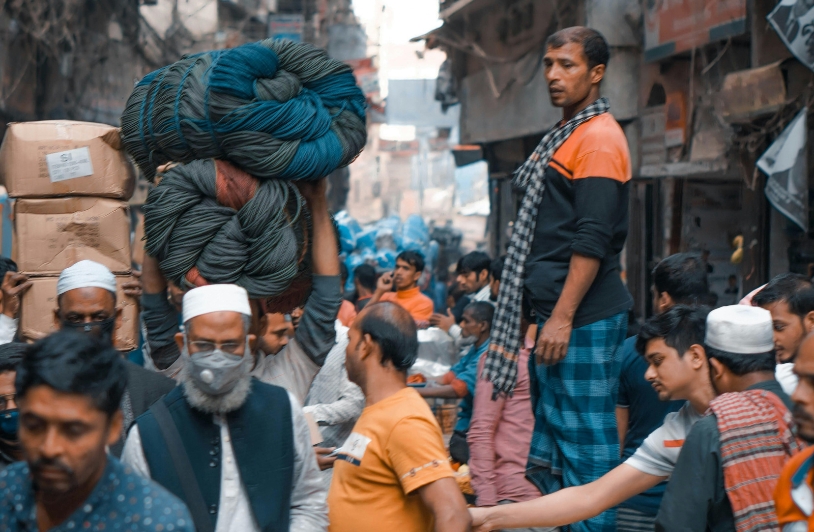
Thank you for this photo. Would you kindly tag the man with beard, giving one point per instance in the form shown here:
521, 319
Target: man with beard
10, 356
69, 387
795, 489
789, 326
473, 275
86, 302
237, 451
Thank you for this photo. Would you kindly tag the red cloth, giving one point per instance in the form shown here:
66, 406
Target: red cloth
756, 440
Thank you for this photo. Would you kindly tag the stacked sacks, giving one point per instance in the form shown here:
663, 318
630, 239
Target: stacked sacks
208, 222
276, 109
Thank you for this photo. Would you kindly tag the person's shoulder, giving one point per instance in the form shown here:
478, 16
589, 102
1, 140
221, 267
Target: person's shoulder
11, 476
152, 379
801, 463
388, 296
149, 496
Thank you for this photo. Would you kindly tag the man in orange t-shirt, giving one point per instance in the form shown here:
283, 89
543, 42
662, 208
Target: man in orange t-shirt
392, 473
409, 267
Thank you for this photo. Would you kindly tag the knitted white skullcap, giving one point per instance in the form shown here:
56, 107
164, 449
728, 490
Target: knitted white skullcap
740, 329
216, 298
86, 274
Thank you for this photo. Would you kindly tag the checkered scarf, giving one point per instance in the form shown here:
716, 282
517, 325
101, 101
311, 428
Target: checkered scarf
501, 360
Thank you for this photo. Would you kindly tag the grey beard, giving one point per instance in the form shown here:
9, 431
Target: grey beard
214, 404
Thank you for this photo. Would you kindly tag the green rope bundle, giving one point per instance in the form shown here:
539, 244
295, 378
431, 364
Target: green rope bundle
208, 222
276, 109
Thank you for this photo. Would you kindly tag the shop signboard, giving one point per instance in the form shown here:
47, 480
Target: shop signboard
674, 26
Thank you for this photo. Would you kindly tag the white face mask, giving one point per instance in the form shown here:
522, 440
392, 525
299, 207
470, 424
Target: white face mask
217, 372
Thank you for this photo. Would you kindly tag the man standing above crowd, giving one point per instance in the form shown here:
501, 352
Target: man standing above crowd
235, 450
409, 267
680, 279
392, 472
790, 327
69, 387
564, 253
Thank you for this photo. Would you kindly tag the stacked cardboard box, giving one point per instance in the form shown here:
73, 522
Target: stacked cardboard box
71, 181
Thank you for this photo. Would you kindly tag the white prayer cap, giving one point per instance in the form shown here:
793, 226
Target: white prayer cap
740, 329
216, 298
86, 274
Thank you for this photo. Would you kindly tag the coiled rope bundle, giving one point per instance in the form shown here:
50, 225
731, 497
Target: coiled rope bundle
275, 108
209, 222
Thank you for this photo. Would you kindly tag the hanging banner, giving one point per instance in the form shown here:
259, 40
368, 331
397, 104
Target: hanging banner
793, 20
786, 164
673, 26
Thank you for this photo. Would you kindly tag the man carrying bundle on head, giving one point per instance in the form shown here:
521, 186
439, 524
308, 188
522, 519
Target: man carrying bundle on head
564, 259
290, 364
237, 451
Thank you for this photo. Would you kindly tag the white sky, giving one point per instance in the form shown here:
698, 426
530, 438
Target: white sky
411, 17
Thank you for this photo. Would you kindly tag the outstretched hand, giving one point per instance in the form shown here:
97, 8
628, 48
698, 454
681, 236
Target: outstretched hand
443, 322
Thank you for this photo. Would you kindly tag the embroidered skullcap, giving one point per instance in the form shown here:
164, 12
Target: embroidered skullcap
86, 274
740, 329
216, 298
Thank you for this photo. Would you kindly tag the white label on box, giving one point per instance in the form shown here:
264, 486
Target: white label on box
69, 164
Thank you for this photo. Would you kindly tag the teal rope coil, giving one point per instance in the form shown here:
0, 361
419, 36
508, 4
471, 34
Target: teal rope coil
263, 246
275, 108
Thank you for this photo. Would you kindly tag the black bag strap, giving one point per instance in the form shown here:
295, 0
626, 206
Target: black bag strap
192, 491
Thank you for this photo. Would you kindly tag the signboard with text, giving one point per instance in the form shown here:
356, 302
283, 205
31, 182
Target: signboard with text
674, 26
286, 27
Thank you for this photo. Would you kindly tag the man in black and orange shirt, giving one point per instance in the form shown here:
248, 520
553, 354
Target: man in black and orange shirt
572, 280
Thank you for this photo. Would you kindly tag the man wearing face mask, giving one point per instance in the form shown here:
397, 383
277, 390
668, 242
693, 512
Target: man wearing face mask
10, 356
86, 302
237, 451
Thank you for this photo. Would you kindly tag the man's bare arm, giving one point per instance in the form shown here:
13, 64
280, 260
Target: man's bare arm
569, 505
443, 498
552, 344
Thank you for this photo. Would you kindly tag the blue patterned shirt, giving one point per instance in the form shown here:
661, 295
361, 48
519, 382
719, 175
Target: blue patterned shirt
467, 370
121, 501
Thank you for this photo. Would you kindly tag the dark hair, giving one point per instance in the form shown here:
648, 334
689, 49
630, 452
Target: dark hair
413, 258
366, 275
680, 327
802, 302
481, 311
496, 268
394, 330
781, 288
593, 43
6, 265
476, 261
75, 363
343, 272
683, 277
741, 364
11, 354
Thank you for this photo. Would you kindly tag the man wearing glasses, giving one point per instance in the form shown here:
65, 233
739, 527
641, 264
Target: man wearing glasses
237, 451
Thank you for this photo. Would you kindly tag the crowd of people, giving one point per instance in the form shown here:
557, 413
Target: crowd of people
244, 420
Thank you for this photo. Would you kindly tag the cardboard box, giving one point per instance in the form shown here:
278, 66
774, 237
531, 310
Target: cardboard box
52, 234
40, 301
62, 157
